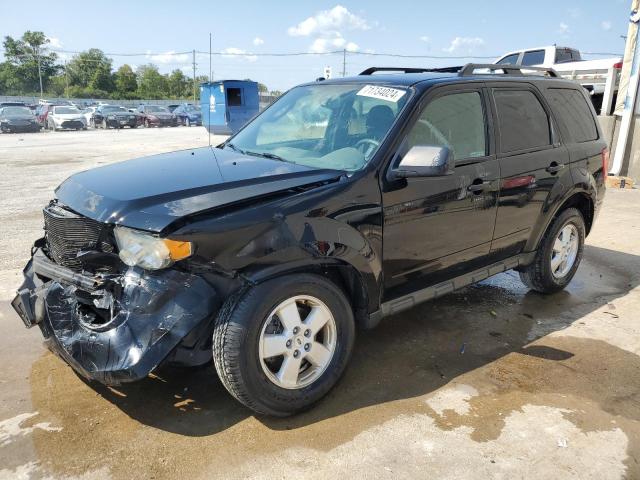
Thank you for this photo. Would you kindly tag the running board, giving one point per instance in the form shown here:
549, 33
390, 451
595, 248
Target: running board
408, 301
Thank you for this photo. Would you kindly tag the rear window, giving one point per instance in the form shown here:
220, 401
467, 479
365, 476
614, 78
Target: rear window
564, 55
534, 57
571, 109
523, 121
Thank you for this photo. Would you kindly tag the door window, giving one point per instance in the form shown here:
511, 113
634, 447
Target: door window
456, 121
523, 121
534, 57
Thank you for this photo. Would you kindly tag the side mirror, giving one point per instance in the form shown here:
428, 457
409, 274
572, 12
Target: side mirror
425, 161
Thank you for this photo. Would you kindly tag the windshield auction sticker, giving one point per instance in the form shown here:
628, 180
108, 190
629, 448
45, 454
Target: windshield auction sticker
382, 93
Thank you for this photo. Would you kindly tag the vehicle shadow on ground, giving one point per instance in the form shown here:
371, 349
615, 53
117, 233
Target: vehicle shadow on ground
408, 355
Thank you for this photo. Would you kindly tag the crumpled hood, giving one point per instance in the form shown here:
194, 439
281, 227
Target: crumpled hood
150, 193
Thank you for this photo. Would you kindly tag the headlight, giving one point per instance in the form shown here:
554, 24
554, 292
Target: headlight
152, 253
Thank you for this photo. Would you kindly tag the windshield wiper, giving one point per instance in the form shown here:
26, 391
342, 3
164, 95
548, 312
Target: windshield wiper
234, 148
272, 156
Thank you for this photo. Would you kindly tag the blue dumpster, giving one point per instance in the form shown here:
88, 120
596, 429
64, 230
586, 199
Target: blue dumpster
228, 104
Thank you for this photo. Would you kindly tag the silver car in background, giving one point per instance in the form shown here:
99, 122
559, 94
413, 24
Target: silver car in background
65, 117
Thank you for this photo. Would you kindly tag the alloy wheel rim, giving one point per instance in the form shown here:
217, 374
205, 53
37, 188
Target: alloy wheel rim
565, 251
297, 342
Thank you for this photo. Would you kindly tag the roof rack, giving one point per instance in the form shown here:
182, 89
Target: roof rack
508, 69
372, 70
466, 70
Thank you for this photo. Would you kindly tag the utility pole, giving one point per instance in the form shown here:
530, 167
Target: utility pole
344, 62
37, 50
66, 78
194, 75
210, 61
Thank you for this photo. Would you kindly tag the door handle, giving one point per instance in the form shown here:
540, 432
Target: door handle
555, 167
478, 186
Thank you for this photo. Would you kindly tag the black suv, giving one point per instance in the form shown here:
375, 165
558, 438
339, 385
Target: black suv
345, 201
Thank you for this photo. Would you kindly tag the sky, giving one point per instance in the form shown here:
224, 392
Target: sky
161, 30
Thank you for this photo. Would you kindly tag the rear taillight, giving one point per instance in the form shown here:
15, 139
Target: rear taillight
605, 161
617, 65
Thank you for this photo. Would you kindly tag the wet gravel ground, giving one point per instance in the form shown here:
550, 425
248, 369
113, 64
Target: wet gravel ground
489, 382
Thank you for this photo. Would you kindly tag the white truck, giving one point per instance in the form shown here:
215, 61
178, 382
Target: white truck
600, 77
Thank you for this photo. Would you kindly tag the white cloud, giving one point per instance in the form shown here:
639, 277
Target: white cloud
606, 25
563, 28
328, 27
258, 41
54, 42
464, 45
329, 22
233, 52
168, 57
425, 39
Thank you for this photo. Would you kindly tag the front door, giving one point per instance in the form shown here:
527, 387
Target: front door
439, 227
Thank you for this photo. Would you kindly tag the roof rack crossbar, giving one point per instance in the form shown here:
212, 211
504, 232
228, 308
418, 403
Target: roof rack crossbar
372, 70
508, 69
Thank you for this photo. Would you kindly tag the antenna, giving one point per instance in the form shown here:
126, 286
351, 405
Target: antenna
209, 109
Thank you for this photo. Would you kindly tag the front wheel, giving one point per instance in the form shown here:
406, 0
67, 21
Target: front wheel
559, 254
284, 344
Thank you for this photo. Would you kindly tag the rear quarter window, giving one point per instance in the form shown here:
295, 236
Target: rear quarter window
573, 113
523, 121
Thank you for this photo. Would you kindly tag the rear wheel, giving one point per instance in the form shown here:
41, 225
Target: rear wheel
558, 255
284, 344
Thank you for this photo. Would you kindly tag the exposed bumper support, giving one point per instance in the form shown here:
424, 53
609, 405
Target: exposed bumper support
139, 323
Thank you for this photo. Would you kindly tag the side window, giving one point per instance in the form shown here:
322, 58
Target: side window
509, 59
575, 117
534, 57
522, 119
456, 121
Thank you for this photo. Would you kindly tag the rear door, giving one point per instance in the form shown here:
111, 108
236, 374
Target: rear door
436, 228
532, 163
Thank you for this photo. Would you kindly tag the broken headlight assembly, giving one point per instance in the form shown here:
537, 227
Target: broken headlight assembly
141, 249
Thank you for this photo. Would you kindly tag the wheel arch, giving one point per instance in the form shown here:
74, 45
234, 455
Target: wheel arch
582, 200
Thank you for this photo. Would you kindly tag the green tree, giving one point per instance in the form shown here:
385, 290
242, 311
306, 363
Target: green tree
91, 69
151, 84
126, 82
20, 70
178, 85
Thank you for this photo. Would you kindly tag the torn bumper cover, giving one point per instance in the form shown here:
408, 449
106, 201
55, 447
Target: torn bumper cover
115, 329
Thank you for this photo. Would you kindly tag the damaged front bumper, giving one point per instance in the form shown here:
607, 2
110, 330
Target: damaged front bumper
113, 328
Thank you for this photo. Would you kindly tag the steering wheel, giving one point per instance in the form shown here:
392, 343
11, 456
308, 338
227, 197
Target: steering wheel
366, 146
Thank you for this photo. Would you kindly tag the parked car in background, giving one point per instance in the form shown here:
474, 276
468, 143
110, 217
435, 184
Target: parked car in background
18, 119
88, 115
12, 104
568, 62
65, 117
188, 114
157, 116
42, 113
266, 252
113, 116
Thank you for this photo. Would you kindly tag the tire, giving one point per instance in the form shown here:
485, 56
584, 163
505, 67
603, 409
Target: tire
146, 123
105, 126
187, 122
92, 123
238, 345
542, 275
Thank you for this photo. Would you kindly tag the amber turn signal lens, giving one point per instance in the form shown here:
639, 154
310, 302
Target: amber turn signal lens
177, 249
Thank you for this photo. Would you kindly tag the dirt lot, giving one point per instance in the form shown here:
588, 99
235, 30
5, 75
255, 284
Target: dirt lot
489, 382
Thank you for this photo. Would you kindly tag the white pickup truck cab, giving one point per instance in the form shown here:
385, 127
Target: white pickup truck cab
591, 74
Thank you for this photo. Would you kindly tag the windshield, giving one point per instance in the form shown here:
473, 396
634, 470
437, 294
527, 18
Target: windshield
114, 109
324, 126
156, 109
16, 111
63, 110
192, 108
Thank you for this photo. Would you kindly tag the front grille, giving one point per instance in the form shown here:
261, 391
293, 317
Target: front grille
68, 233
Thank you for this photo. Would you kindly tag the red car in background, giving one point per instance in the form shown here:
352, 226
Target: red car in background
157, 116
